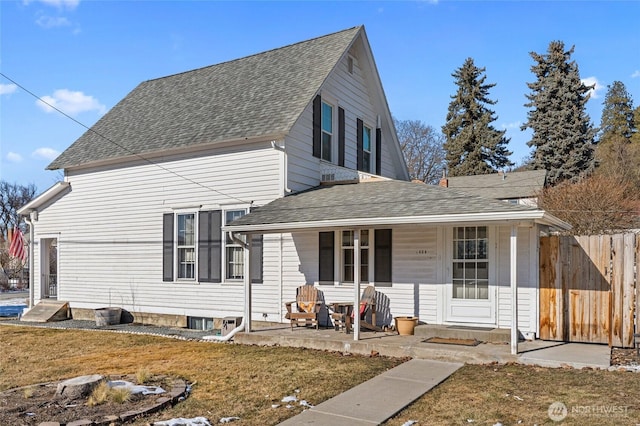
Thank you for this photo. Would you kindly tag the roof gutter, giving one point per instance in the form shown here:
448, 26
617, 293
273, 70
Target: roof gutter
539, 216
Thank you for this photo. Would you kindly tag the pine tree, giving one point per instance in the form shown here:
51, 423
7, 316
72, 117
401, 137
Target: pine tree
618, 156
563, 135
473, 146
617, 123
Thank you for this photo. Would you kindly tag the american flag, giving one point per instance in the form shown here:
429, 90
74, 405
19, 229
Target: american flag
16, 249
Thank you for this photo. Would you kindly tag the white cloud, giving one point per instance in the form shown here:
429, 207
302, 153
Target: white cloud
70, 102
46, 153
52, 21
60, 4
635, 74
595, 92
7, 89
14, 157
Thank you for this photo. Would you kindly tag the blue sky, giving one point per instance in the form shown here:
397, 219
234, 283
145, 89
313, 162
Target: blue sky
85, 56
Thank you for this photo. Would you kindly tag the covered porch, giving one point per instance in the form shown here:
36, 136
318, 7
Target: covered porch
462, 229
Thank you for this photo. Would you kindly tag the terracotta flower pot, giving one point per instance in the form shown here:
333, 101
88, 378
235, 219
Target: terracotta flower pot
406, 325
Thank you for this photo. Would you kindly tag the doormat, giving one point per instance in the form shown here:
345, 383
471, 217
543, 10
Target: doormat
453, 341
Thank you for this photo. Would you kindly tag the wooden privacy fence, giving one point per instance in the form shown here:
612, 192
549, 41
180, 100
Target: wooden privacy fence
589, 290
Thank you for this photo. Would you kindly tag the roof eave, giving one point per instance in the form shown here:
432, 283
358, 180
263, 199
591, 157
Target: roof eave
538, 216
153, 155
43, 198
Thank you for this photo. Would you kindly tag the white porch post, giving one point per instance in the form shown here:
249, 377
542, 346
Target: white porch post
247, 284
356, 284
33, 216
514, 289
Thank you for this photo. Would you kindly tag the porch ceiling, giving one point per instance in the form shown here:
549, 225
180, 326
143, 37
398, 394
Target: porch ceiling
382, 203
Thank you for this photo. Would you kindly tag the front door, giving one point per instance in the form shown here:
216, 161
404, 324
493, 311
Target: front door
470, 295
49, 268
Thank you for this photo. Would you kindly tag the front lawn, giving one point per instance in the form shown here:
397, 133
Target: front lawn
245, 381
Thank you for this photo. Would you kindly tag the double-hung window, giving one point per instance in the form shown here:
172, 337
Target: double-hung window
348, 256
327, 131
234, 253
470, 263
366, 149
194, 248
337, 261
186, 245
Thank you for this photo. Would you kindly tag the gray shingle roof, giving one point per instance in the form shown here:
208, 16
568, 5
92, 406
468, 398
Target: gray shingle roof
501, 186
259, 95
373, 200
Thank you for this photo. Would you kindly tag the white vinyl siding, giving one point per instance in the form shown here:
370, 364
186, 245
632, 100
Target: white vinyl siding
110, 231
352, 94
418, 274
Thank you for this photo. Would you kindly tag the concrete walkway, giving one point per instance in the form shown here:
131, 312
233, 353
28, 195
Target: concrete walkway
380, 398
561, 354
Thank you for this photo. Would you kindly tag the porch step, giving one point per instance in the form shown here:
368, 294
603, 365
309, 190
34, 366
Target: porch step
491, 335
48, 311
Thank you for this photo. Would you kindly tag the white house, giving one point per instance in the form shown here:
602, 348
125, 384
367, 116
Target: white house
294, 148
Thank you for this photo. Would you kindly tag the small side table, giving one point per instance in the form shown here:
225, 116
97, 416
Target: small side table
341, 315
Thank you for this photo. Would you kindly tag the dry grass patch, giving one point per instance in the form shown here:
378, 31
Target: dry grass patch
229, 380
517, 394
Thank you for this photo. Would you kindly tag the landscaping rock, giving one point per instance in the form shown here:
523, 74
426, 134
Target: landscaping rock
78, 387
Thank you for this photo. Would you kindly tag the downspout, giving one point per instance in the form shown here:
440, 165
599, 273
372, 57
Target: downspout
285, 168
242, 325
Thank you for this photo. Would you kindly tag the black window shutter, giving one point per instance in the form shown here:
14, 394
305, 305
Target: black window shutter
210, 246
256, 258
167, 247
382, 254
326, 257
341, 131
359, 144
378, 151
317, 126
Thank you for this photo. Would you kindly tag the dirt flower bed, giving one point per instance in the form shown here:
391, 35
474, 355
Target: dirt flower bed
32, 405
624, 357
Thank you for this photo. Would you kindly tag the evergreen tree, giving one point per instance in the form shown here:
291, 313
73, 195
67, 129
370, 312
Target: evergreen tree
563, 135
617, 155
473, 146
617, 123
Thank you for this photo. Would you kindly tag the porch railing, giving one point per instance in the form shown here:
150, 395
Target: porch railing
50, 286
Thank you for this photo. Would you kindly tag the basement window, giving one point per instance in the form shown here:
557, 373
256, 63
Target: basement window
200, 323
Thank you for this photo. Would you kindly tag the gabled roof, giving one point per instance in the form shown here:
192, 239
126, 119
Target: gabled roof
380, 203
501, 186
257, 96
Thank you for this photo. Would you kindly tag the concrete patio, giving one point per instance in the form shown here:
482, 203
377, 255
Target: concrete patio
537, 352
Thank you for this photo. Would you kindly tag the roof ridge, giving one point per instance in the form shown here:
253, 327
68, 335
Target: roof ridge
253, 54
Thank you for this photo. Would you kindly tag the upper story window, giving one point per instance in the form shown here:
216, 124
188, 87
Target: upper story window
327, 131
186, 246
366, 149
470, 262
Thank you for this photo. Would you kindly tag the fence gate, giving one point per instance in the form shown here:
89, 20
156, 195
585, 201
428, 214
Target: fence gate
588, 290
